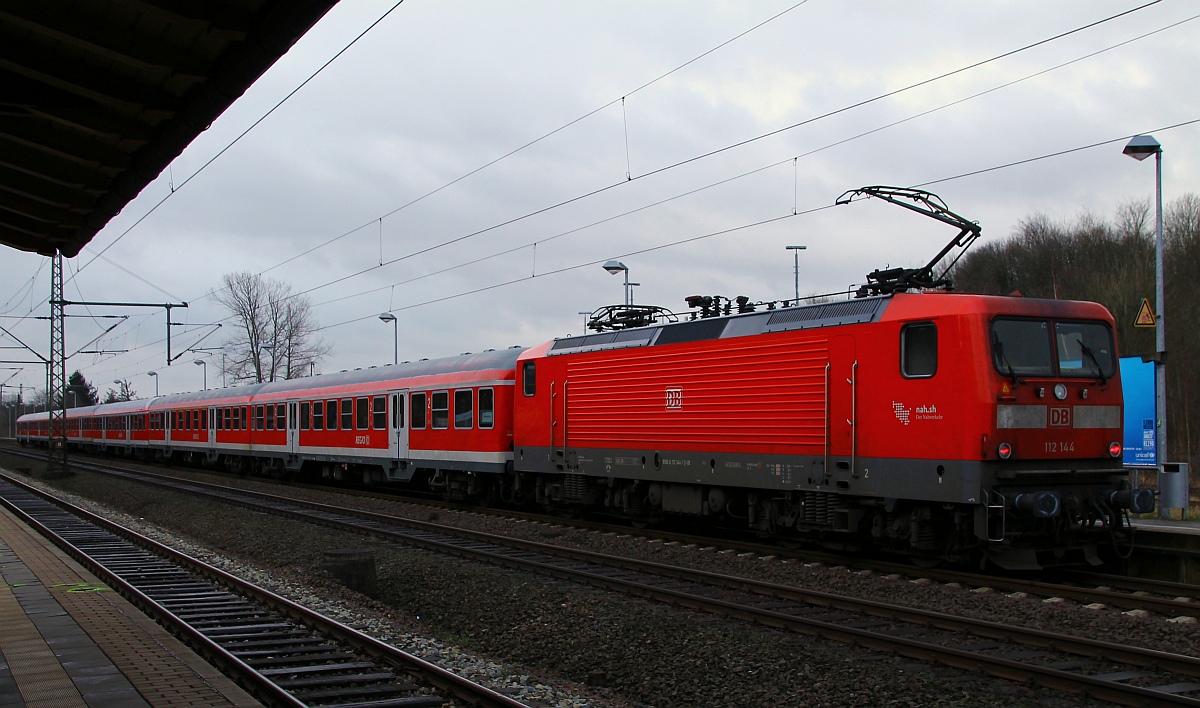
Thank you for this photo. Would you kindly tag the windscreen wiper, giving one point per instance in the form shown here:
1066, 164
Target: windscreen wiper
1087, 351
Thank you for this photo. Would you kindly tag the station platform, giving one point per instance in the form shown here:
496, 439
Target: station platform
67, 641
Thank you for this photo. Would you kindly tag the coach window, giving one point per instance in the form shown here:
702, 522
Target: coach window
271, 417
281, 416
347, 414
439, 406
362, 413
463, 408
417, 410
529, 377
318, 415
331, 415
487, 403
379, 412
202, 416
918, 350
304, 415
259, 417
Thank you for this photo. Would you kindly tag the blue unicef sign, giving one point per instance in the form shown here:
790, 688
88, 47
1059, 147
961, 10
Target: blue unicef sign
1137, 385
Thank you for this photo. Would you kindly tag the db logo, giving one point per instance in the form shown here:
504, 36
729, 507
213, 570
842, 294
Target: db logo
674, 398
1060, 417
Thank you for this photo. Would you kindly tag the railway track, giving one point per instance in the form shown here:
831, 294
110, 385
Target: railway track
1172, 600
1114, 672
282, 652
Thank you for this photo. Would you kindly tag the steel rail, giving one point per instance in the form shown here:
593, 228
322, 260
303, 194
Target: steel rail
1170, 606
442, 679
346, 519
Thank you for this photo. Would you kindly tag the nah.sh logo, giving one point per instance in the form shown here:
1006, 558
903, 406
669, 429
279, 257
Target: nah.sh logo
902, 413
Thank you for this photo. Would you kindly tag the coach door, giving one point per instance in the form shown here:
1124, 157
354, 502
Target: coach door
293, 427
212, 428
842, 420
398, 426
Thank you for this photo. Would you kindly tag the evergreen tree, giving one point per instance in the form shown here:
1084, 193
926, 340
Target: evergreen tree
79, 392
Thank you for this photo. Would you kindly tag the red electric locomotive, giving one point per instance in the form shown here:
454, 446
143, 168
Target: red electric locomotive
935, 424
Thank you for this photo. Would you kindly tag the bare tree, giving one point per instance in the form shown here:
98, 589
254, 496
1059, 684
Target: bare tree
275, 333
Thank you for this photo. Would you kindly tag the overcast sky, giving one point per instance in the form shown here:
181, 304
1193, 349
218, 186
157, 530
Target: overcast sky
439, 89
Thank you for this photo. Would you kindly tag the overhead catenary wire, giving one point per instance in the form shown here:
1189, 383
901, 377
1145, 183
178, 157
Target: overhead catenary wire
794, 159
243, 134
542, 137
762, 222
795, 205
711, 153
708, 235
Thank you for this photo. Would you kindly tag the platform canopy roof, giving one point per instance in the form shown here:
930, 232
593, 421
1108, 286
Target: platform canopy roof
98, 96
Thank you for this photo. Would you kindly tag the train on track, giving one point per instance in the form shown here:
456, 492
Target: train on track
934, 424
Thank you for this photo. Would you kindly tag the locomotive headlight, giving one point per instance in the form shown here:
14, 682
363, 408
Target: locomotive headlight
1004, 451
1060, 391
1114, 449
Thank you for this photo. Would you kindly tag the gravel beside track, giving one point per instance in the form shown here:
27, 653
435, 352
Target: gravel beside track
558, 644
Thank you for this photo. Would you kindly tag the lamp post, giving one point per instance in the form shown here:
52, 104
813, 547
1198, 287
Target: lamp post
201, 362
615, 267
1139, 148
389, 317
796, 250
155, 375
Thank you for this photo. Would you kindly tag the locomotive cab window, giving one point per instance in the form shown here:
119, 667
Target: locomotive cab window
463, 408
439, 406
1084, 349
918, 350
529, 378
487, 408
418, 411
1022, 347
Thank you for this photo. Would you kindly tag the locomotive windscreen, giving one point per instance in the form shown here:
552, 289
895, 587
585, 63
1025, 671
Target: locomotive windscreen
1023, 347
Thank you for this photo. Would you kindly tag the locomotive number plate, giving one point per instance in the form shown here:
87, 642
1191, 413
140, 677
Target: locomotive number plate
1065, 446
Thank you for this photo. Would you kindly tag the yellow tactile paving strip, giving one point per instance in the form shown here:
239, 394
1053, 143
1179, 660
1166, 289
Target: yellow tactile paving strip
160, 667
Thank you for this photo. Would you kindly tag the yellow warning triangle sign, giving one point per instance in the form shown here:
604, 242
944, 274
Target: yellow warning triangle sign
1145, 316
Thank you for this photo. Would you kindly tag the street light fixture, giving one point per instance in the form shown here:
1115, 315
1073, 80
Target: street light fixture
796, 250
615, 267
1139, 148
389, 317
155, 375
201, 362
